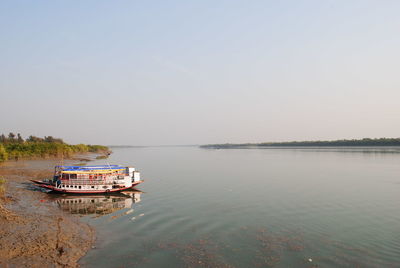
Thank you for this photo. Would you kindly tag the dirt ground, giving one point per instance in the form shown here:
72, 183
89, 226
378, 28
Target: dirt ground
34, 232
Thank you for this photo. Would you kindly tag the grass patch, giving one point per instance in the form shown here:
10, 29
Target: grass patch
2, 187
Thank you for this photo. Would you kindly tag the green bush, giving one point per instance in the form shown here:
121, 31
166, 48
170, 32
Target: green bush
11, 148
3, 153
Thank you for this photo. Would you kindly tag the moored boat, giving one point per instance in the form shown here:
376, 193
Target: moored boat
91, 179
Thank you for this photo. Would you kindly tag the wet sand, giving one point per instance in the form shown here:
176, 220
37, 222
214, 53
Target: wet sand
34, 232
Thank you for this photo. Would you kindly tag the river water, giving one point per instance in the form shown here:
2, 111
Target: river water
249, 208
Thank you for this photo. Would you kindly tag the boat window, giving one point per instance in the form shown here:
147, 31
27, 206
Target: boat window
80, 187
92, 187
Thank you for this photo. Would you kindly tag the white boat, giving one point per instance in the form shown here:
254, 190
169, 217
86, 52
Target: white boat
91, 179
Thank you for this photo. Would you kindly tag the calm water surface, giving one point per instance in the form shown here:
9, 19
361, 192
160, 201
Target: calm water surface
249, 208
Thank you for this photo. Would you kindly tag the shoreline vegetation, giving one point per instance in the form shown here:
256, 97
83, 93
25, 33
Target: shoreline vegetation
366, 142
14, 147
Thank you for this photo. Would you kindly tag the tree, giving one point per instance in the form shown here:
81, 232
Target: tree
51, 139
48, 139
3, 138
11, 137
34, 139
19, 138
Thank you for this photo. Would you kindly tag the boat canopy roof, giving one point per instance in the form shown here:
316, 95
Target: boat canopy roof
95, 169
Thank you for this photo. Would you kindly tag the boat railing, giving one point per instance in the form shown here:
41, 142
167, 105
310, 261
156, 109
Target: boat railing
86, 182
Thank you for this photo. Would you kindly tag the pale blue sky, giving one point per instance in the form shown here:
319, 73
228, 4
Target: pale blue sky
195, 72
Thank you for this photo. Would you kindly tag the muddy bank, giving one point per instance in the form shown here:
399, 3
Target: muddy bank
34, 232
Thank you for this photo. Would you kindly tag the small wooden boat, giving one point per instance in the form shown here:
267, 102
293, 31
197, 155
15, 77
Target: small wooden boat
91, 179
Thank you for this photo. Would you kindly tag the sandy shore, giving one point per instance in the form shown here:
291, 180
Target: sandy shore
34, 232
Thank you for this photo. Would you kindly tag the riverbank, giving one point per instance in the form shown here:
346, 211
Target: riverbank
366, 142
34, 232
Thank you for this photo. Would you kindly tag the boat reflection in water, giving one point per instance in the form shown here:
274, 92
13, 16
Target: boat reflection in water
97, 205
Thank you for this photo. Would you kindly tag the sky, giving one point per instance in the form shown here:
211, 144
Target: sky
200, 72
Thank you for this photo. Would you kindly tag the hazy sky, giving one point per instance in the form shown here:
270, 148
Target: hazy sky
195, 72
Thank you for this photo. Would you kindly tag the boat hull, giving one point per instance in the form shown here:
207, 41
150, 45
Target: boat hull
51, 187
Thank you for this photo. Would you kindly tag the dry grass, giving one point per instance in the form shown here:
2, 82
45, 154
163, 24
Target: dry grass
2, 188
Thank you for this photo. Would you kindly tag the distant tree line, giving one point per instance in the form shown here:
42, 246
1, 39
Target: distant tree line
12, 138
15, 147
334, 143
